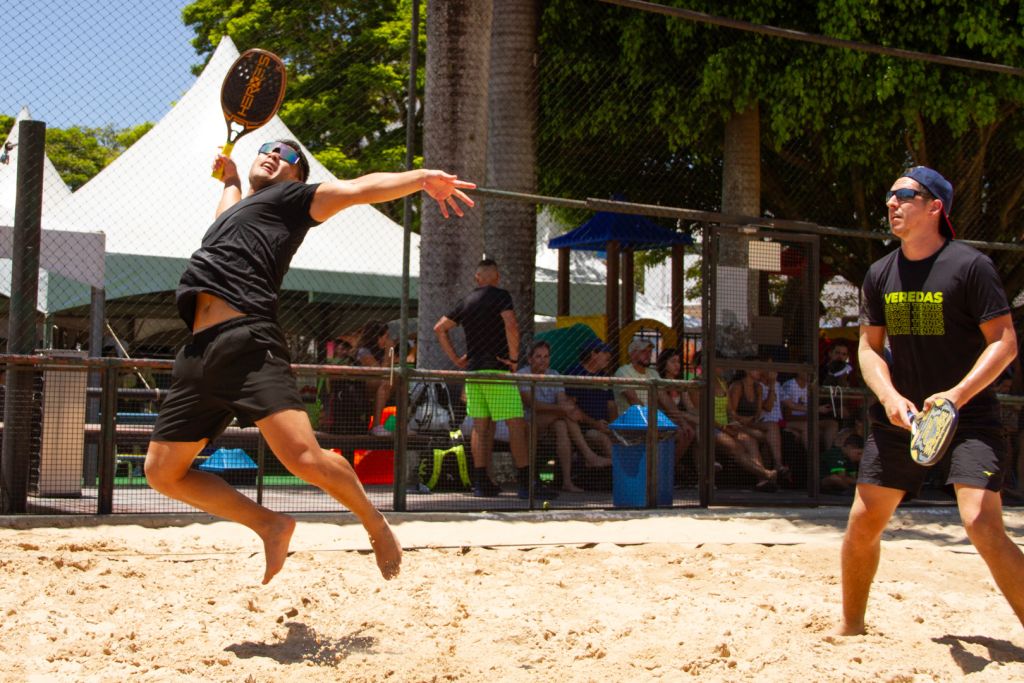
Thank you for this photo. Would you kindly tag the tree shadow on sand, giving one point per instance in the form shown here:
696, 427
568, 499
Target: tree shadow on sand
1000, 651
303, 644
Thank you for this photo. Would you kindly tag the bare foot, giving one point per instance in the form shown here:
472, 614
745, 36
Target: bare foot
386, 548
275, 545
845, 629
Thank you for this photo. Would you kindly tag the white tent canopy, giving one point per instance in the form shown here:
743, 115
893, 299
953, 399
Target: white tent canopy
55, 192
156, 201
70, 259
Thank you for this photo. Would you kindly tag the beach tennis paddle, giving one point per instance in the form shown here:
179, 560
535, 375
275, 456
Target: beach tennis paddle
932, 432
250, 95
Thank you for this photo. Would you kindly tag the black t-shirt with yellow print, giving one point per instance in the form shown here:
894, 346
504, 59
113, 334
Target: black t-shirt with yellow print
932, 309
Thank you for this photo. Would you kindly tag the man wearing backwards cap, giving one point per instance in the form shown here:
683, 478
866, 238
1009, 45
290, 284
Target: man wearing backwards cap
943, 309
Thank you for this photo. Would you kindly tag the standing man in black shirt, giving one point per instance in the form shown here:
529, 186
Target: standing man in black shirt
236, 363
943, 309
492, 348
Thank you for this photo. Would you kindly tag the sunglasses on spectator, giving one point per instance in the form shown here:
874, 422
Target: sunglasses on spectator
286, 152
904, 194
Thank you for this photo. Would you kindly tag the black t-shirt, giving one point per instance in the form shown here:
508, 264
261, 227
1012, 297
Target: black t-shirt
479, 314
931, 310
246, 252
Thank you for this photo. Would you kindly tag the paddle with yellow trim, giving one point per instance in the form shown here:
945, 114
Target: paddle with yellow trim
250, 95
931, 432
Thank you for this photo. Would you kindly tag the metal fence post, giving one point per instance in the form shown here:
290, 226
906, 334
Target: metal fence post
532, 446
652, 446
108, 433
401, 446
21, 335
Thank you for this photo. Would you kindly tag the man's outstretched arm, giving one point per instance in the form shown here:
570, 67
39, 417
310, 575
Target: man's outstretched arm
446, 189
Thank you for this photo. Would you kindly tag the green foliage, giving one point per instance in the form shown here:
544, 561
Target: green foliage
348, 71
78, 154
6, 125
635, 103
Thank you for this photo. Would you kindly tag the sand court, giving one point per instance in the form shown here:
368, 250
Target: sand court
710, 595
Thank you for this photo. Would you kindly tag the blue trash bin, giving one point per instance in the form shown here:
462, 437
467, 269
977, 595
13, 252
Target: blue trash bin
629, 462
629, 474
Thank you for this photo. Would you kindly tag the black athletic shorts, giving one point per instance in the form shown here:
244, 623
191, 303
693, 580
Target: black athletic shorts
239, 368
977, 457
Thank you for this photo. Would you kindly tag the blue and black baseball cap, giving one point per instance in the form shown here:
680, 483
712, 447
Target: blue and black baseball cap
938, 187
593, 345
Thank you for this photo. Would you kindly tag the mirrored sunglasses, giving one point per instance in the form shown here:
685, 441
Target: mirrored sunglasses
286, 152
904, 194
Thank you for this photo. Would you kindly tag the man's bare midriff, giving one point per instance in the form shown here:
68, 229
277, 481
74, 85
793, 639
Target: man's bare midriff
210, 310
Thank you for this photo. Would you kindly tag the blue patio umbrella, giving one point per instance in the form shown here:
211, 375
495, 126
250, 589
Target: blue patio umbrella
627, 231
634, 232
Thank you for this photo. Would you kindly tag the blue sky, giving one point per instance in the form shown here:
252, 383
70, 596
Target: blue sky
95, 62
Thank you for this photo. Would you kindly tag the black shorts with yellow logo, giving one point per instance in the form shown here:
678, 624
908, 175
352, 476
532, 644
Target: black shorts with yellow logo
239, 368
977, 457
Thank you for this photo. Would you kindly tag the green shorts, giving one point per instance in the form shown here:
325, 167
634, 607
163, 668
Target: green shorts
494, 400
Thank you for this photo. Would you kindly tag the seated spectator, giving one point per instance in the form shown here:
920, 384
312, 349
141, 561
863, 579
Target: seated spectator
835, 374
555, 414
340, 352
1010, 415
377, 349
344, 406
676, 404
596, 404
639, 367
738, 443
794, 406
839, 464
769, 422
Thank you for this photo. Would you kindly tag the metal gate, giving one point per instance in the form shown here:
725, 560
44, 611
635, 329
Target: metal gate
760, 308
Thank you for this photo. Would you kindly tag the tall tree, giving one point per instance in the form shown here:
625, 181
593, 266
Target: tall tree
510, 228
741, 194
635, 102
348, 70
78, 154
455, 139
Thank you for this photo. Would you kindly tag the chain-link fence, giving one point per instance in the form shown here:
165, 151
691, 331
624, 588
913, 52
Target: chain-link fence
79, 437
599, 117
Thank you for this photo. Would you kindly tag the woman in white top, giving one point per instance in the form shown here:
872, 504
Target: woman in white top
794, 405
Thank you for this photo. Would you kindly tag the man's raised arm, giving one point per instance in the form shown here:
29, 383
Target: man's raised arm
444, 188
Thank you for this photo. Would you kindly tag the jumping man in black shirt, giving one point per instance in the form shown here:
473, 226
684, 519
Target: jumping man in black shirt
945, 314
236, 362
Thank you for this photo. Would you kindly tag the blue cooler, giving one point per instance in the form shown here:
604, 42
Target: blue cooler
629, 462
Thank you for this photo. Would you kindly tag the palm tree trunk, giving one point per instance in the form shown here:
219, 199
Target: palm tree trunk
510, 228
741, 194
455, 139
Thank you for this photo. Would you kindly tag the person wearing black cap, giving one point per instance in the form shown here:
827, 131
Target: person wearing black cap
944, 312
236, 362
596, 404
